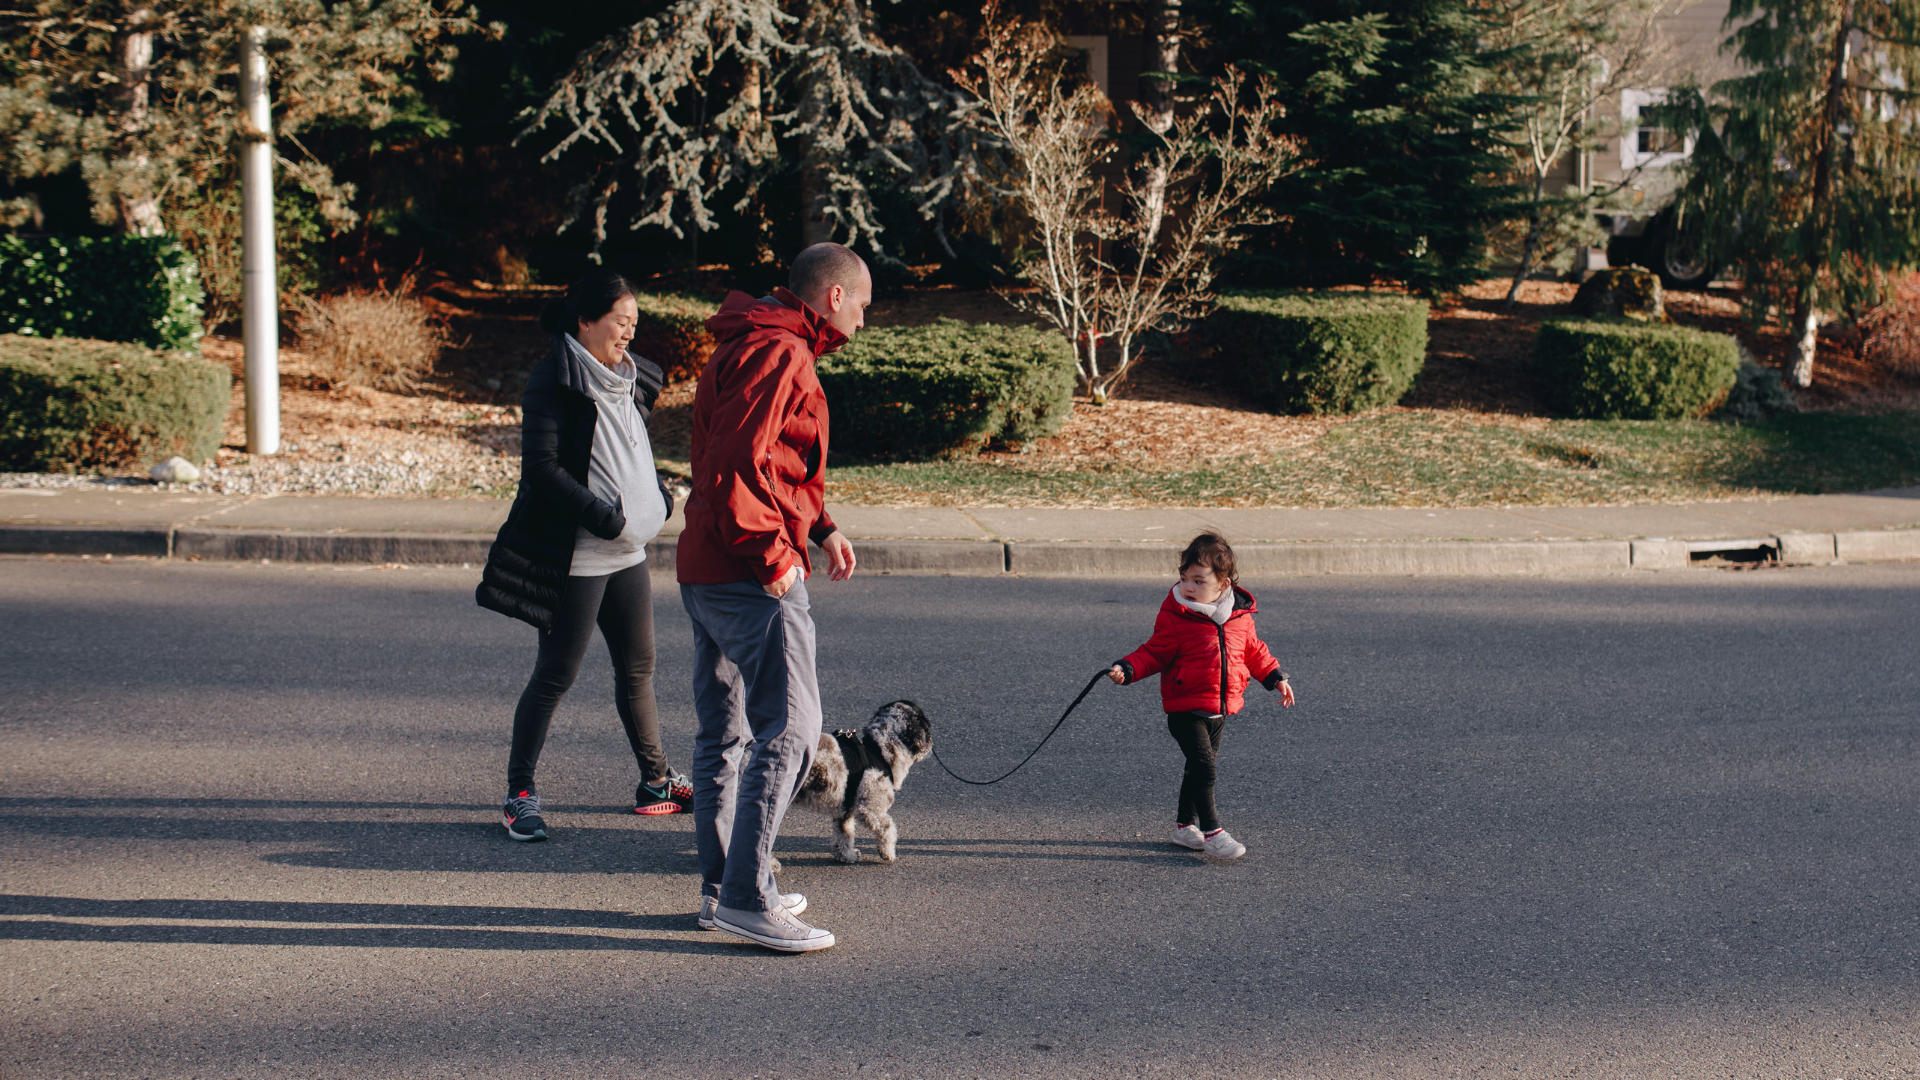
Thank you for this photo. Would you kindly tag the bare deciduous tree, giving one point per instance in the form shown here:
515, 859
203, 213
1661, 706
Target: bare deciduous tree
1105, 279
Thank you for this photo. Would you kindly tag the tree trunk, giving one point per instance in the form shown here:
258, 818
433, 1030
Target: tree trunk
1806, 328
815, 228
1535, 223
1157, 111
139, 204
1833, 115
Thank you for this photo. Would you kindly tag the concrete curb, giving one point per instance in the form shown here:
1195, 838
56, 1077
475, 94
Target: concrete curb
993, 558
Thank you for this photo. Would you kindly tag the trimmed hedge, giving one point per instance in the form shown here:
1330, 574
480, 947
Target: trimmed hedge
946, 389
1621, 369
672, 332
142, 289
70, 404
1336, 352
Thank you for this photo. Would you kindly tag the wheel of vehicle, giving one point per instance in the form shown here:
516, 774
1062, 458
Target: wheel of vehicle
1676, 256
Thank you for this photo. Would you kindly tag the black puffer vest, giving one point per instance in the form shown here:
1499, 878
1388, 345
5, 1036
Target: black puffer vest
527, 566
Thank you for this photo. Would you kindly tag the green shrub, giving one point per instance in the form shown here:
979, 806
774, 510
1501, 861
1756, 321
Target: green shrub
946, 389
672, 332
1619, 369
70, 404
1335, 352
143, 289
1757, 393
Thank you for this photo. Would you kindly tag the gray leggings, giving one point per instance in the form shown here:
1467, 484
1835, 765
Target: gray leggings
622, 605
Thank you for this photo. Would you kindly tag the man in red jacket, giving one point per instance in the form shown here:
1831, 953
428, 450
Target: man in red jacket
759, 493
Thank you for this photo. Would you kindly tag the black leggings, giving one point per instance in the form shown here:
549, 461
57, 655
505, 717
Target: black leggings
622, 605
1199, 738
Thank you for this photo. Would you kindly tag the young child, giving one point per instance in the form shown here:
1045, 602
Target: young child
1206, 651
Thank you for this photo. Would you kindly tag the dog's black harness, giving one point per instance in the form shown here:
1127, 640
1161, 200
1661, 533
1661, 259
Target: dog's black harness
860, 754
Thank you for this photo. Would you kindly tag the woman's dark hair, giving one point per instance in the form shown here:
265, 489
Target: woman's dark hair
1211, 550
590, 298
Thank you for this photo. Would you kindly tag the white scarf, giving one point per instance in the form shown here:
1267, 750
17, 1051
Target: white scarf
1219, 611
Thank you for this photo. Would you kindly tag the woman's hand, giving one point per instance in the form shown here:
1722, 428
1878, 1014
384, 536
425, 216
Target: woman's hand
1118, 676
609, 520
1286, 693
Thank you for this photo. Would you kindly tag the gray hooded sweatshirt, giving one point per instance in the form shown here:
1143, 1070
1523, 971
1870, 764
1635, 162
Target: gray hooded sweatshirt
620, 469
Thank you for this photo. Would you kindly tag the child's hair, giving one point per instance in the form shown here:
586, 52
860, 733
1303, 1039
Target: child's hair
1211, 550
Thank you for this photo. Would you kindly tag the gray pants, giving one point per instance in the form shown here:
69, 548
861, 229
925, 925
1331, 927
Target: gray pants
758, 702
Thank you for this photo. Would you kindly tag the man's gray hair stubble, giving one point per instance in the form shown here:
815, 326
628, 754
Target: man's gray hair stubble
822, 266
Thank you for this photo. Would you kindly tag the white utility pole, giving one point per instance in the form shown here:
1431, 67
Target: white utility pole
260, 294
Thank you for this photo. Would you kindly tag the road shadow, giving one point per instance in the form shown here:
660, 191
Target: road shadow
578, 845
420, 926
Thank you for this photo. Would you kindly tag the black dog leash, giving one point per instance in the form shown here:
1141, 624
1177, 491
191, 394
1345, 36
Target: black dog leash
1023, 762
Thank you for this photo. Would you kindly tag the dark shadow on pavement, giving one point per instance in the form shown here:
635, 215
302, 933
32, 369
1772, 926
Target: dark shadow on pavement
423, 926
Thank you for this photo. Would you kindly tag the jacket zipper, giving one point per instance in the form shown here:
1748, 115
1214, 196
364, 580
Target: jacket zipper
1221, 629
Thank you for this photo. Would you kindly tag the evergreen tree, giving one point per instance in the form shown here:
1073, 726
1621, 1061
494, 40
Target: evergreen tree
709, 98
141, 95
1805, 172
1405, 133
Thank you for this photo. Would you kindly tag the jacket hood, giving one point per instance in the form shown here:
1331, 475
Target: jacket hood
648, 379
1243, 603
741, 315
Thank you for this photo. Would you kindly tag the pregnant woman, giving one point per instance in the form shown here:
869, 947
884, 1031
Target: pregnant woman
573, 552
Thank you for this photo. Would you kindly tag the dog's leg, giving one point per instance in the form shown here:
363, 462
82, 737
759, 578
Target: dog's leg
843, 849
873, 814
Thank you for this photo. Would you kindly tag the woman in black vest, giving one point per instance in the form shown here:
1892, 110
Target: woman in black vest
573, 551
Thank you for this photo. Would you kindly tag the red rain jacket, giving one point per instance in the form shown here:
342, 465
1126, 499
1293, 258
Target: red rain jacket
1206, 665
759, 444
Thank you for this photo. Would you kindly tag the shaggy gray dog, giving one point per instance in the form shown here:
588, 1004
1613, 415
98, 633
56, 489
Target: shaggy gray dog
857, 773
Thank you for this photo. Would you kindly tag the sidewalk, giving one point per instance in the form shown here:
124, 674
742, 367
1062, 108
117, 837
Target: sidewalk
316, 528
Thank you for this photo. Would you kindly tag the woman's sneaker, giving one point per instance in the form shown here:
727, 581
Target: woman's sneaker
1221, 845
795, 904
1189, 836
522, 817
673, 794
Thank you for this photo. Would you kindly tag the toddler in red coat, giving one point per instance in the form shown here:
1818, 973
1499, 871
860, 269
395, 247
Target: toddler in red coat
1205, 650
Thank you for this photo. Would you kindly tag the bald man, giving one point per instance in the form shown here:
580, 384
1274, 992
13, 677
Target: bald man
759, 494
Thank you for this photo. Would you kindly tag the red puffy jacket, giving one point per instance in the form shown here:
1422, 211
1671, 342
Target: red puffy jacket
759, 444
1206, 664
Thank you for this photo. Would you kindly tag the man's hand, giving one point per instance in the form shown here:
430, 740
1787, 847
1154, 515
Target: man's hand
839, 556
778, 587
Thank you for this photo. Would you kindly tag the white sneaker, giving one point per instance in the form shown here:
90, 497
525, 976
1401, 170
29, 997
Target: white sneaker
1222, 845
796, 903
781, 931
1189, 836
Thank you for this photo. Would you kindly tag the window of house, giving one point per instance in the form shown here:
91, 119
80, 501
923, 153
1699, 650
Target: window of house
1653, 140
1095, 46
1648, 146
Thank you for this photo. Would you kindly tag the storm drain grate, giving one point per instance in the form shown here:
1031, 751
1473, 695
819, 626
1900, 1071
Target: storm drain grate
1760, 550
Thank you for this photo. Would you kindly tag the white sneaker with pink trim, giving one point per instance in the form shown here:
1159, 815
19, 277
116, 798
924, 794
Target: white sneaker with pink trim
1221, 845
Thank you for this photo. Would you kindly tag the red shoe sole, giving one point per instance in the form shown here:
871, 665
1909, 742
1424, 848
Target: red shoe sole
658, 808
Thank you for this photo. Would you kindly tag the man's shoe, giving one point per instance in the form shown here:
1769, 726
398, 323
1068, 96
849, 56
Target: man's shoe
522, 817
1221, 845
672, 795
796, 903
781, 930
1189, 836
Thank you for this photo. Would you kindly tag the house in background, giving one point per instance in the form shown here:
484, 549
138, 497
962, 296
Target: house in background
1643, 160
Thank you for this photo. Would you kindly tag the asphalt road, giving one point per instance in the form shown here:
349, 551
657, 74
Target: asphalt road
1628, 825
